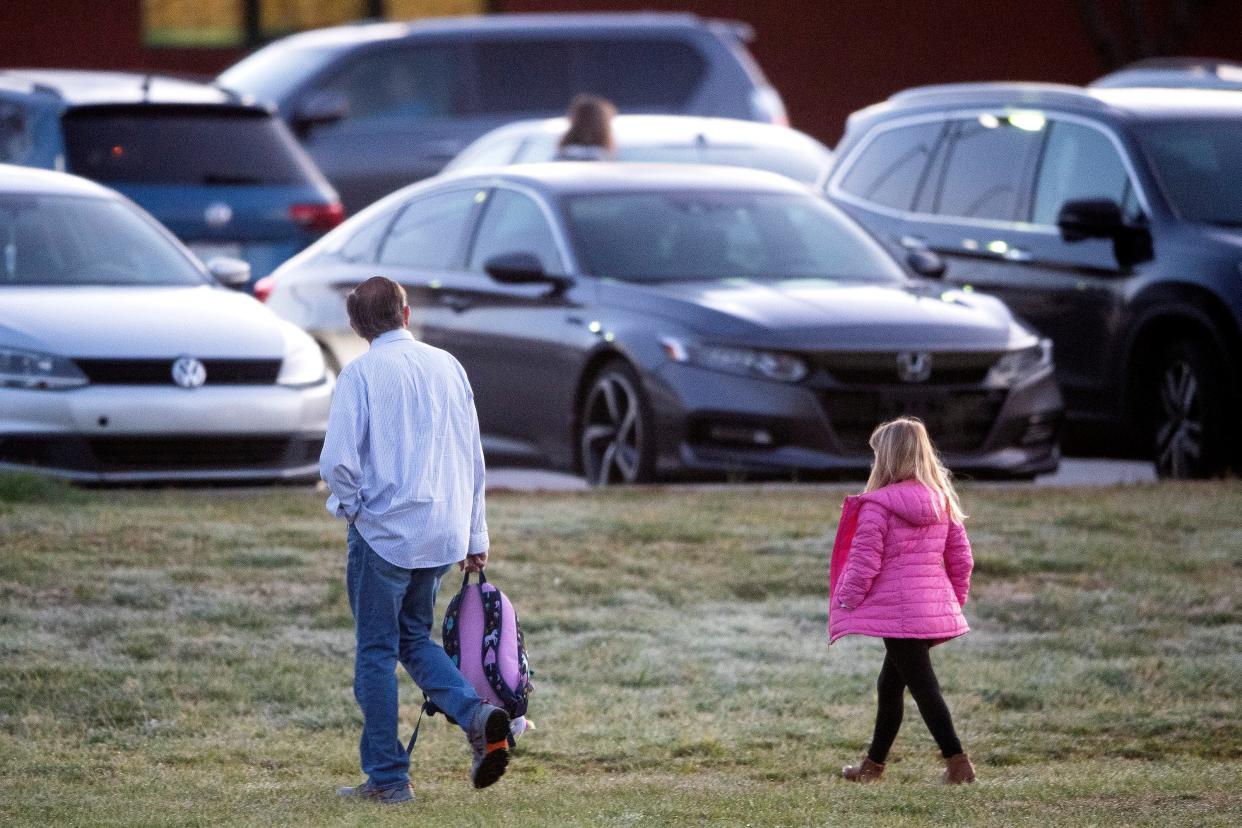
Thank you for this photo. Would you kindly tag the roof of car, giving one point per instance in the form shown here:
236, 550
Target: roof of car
32, 181
1129, 103
369, 31
80, 87
577, 177
646, 130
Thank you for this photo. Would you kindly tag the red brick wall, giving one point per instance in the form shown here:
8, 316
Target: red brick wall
827, 57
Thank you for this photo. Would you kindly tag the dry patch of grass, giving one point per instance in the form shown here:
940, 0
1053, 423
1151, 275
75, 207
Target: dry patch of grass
185, 658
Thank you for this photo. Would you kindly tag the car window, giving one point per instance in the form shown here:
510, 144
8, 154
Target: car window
14, 134
986, 160
422, 82
63, 240
523, 76
640, 74
726, 235
1199, 164
363, 245
182, 145
1078, 162
889, 168
430, 231
513, 223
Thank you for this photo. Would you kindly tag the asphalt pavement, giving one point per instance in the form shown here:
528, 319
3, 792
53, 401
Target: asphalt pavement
1073, 472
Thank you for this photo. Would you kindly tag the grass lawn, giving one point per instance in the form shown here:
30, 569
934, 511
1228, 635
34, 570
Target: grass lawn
186, 658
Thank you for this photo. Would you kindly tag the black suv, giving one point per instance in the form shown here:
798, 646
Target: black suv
1110, 219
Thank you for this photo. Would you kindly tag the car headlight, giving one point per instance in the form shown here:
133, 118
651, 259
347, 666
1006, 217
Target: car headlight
745, 361
36, 371
302, 366
1015, 365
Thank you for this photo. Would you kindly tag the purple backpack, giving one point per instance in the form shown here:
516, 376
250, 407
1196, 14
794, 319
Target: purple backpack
482, 636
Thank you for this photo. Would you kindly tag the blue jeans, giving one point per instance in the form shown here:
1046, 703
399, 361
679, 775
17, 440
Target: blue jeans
393, 610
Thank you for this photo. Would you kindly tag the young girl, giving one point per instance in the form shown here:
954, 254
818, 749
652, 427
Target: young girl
904, 578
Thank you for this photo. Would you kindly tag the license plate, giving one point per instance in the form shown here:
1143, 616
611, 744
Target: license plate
206, 251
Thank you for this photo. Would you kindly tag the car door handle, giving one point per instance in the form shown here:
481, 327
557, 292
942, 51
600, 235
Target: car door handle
455, 302
913, 242
1018, 254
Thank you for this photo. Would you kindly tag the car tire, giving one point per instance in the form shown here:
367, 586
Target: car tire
1185, 400
616, 443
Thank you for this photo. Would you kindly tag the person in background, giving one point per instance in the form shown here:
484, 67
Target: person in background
404, 461
905, 579
589, 137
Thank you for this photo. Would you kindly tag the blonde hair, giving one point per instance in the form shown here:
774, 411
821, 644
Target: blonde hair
903, 451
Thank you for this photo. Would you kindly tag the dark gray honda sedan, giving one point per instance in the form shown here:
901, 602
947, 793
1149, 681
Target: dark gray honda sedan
636, 322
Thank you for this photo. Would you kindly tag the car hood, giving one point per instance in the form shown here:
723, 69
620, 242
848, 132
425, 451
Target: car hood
828, 313
140, 322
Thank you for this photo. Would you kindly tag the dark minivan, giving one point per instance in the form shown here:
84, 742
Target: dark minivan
381, 105
1110, 219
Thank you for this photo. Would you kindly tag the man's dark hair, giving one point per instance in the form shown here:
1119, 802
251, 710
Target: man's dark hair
375, 307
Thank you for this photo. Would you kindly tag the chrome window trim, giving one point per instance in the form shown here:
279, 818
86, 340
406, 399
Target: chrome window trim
842, 169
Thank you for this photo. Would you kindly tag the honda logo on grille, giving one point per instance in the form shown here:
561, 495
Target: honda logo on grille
188, 372
914, 366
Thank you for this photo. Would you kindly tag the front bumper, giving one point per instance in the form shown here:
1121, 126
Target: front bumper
773, 429
132, 434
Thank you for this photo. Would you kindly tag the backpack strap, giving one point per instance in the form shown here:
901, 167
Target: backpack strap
514, 700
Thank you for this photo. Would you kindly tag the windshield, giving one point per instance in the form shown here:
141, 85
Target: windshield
703, 235
67, 240
273, 72
182, 146
1199, 164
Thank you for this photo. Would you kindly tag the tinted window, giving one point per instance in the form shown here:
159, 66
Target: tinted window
430, 231
646, 75
513, 223
182, 145
986, 160
422, 82
673, 236
272, 72
1199, 164
1078, 162
14, 135
889, 169
523, 76
57, 240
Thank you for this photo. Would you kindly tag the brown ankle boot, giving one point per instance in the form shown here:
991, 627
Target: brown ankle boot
958, 770
867, 771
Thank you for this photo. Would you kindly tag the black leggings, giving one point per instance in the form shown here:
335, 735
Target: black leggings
907, 663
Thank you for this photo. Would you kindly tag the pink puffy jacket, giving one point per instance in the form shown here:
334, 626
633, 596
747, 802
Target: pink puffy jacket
907, 570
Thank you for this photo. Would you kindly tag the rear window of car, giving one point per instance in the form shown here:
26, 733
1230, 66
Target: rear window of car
182, 145
540, 75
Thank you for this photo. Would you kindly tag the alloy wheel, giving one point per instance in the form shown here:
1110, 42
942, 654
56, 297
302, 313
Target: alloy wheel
1179, 430
613, 431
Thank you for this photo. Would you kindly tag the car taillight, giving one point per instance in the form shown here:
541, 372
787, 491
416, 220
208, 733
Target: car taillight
263, 288
317, 217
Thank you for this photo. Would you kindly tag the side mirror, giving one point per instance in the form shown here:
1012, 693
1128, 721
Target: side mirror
320, 109
1090, 218
522, 269
925, 263
233, 273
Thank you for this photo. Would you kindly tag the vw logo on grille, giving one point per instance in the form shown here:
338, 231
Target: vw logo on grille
218, 214
914, 366
188, 372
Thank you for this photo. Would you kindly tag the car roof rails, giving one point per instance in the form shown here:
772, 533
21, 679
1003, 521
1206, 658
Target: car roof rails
1018, 93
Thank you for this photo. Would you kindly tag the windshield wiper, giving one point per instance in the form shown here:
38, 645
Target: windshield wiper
225, 178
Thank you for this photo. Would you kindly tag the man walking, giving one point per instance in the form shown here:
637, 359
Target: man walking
404, 462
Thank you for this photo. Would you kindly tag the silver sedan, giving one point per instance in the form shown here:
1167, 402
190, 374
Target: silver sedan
123, 359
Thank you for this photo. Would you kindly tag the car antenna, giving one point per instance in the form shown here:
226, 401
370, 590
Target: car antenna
146, 87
